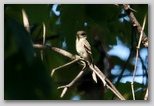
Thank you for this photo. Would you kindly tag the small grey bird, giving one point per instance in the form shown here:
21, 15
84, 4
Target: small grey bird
84, 49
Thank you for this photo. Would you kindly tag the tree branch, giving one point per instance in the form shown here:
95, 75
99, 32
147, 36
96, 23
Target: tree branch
58, 50
136, 60
94, 69
136, 23
72, 82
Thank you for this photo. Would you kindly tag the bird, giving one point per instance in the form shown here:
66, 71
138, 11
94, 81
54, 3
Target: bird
83, 48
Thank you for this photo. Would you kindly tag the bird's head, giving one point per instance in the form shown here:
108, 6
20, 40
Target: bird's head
81, 34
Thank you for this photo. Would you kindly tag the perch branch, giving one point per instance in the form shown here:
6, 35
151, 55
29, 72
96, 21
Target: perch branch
58, 50
93, 68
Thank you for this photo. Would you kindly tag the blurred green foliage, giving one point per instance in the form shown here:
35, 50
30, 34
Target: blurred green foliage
27, 77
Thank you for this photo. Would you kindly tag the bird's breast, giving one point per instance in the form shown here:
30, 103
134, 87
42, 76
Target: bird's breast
80, 48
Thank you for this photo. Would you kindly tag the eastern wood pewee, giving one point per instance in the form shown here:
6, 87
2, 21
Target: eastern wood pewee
83, 47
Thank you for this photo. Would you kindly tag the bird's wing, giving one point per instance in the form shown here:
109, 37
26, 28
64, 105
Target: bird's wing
87, 46
88, 50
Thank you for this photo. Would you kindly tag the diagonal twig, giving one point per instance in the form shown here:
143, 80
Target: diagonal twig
136, 24
57, 68
65, 87
106, 82
136, 60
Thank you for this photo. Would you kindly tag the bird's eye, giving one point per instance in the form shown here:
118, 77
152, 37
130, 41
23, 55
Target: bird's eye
83, 34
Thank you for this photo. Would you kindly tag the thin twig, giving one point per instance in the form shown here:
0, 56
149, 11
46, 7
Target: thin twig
44, 33
136, 60
136, 24
128, 75
142, 38
104, 80
73, 81
143, 26
124, 67
146, 95
114, 92
57, 68
132, 83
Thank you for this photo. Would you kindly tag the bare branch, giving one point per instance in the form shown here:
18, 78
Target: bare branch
141, 34
64, 90
94, 69
136, 24
72, 82
73, 61
142, 38
106, 81
132, 87
58, 50
44, 33
132, 83
136, 60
